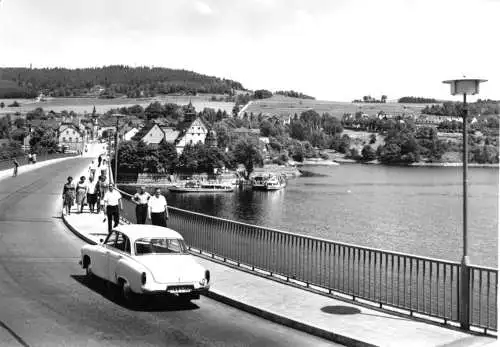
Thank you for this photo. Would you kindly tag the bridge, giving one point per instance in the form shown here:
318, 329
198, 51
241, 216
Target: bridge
330, 293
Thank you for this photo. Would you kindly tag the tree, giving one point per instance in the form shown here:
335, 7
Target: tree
44, 139
331, 125
368, 153
247, 153
383, 99
154, 111
262, 94
167, 156
298, 130
2, 104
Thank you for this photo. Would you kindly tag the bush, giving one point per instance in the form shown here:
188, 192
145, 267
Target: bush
368, 153
14, 104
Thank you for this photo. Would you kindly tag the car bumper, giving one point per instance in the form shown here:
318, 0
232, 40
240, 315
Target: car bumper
162, 289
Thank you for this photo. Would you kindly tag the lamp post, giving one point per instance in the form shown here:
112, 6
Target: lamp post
464, 86
118, 116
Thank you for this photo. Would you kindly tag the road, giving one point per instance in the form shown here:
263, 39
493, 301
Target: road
45, 300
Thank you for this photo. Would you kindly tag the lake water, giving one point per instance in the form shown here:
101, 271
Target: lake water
411, 210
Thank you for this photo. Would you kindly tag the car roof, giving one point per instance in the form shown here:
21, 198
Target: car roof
137, 231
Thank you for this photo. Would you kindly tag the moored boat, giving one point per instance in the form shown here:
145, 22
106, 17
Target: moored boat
198, 187
268, 182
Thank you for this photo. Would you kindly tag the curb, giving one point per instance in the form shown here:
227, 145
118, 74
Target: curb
268, 315
74, 231
276, 318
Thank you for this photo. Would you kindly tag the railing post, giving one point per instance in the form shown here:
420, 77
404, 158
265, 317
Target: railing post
465, 297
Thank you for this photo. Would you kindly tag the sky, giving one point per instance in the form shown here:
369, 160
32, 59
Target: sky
335, 50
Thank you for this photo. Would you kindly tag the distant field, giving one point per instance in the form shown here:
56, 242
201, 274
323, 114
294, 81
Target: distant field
285, 106
82, 105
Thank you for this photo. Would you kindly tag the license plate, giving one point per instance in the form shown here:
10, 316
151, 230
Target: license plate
178, 291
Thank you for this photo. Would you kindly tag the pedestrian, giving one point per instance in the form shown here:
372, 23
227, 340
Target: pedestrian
104, 169
92, 169
30, 158
158, 209
34, 158
112, 206
81, 193
68, 195
141, 200
99, 160
16, 166
101, 190
92, 193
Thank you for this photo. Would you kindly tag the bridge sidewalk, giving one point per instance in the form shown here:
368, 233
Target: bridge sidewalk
319, 315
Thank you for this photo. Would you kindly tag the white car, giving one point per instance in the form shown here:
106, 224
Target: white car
146, 259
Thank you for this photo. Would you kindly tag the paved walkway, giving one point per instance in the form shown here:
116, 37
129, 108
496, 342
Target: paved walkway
319, 315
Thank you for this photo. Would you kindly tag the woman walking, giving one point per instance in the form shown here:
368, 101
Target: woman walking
68, 195
81, 193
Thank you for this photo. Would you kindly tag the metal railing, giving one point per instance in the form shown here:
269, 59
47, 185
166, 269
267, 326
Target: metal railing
412, 283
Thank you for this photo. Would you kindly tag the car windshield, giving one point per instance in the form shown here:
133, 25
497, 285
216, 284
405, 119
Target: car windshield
160, 245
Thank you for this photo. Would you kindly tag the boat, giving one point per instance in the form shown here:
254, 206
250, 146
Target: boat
202, 187
268, 182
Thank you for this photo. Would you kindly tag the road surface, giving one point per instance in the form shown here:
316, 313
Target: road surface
45, 300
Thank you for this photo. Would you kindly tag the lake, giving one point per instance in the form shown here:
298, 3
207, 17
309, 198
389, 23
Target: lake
405, 209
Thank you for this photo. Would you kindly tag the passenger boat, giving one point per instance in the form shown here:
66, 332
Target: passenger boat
198, 187
268, 182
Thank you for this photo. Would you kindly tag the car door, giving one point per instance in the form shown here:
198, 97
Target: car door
99, 263
118, 251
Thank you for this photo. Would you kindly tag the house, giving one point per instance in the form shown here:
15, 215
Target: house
150, 134
70, 136
171, 134
127, 136
195, 133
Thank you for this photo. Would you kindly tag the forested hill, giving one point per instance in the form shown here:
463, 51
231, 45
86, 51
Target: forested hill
116, 80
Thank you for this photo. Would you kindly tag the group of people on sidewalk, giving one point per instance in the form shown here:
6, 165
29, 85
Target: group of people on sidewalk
89, 192
152, 207
101, 195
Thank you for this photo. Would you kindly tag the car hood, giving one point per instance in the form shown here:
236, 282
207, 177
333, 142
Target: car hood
168, 268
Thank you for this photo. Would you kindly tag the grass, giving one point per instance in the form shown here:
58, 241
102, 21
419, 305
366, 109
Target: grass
82, 105
284, 106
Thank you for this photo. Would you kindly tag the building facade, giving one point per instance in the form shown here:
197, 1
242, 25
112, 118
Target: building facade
195, 133
71, 137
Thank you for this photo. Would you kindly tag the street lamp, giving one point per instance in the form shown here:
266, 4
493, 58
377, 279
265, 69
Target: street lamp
118, 116
464, 86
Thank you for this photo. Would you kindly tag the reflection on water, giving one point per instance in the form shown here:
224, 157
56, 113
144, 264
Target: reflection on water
411, 210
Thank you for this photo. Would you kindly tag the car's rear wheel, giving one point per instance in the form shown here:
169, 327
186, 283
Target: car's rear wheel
128, 297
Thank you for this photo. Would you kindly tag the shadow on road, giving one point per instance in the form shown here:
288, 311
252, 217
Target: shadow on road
152, 303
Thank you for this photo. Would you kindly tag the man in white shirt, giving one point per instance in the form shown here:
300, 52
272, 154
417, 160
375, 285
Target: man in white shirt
157, 209
141, 200
91, 193
112, 200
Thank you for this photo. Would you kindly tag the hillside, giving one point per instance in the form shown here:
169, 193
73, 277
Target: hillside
284, 106
116, 80
10, 89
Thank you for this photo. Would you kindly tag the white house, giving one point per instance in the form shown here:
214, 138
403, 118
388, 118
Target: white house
195, 133
70, 136
151, 134
129, 134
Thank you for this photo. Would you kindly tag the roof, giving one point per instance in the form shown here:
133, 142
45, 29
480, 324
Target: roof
143, 131
137, 231
170, 134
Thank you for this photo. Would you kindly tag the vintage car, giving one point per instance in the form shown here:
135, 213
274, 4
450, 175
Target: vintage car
146, 259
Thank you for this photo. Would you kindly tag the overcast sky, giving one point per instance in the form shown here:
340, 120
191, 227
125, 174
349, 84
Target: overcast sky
331, 49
